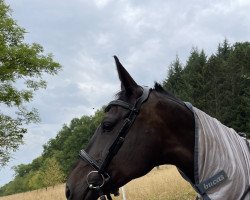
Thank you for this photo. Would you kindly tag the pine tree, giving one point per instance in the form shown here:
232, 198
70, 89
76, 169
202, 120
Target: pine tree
219, 85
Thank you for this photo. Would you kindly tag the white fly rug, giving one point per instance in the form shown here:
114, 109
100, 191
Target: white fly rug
220, 148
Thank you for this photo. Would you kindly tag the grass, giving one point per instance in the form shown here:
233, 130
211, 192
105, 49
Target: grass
162, 184
56, 193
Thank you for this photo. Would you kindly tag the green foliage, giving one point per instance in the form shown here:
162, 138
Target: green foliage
51, 173
58, 156
35, 180
71, 139
22, 169
219, 85
24, 65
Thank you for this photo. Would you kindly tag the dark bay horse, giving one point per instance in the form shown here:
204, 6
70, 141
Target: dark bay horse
142, 128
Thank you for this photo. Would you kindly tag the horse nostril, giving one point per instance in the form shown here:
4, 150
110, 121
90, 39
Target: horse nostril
67, 192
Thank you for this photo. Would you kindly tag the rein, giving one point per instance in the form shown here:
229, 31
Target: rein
101, 170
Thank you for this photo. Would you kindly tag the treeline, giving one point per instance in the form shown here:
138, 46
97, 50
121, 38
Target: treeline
218, 84
59, 154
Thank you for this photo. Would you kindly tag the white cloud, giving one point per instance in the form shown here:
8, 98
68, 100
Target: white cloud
101, 3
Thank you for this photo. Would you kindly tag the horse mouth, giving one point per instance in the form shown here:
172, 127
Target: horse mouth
85, 194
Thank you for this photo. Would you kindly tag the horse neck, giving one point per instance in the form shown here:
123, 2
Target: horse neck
177, 130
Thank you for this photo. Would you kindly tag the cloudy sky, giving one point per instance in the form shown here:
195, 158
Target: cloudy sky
83, 35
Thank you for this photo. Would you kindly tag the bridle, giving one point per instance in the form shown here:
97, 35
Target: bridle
101, 170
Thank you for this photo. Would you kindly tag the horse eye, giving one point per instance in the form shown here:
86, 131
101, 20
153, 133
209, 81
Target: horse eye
107, 126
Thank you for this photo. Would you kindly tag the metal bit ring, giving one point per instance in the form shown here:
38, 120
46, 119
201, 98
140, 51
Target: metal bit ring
91, 186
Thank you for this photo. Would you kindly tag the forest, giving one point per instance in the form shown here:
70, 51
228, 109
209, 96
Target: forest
218, 84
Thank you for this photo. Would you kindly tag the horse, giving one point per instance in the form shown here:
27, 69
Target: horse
147, 127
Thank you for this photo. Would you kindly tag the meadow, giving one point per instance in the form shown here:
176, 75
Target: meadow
164, 183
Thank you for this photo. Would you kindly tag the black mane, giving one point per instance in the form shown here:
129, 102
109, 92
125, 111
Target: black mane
158, 88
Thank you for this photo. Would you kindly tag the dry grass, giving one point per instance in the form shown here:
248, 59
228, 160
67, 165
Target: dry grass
56, 193
162, 184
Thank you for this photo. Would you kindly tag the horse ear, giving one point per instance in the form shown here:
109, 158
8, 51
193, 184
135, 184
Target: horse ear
127, 82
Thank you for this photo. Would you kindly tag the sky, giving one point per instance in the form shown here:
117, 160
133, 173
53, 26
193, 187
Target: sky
83, 36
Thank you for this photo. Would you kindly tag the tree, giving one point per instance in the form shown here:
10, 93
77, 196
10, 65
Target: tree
52, 173
174, 82
239, 70
58, 156
22, 169
194, 79
218, 85
35, 180
71, 139
22, 67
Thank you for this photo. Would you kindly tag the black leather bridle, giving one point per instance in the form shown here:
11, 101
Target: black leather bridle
101, 170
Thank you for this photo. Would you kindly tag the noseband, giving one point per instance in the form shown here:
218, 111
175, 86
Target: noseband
101, 170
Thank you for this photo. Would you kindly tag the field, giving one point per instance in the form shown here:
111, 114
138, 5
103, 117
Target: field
160, 184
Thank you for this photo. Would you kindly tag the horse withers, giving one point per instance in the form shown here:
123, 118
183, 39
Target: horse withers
144, 128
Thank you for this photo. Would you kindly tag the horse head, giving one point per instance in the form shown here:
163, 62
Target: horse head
142, 128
